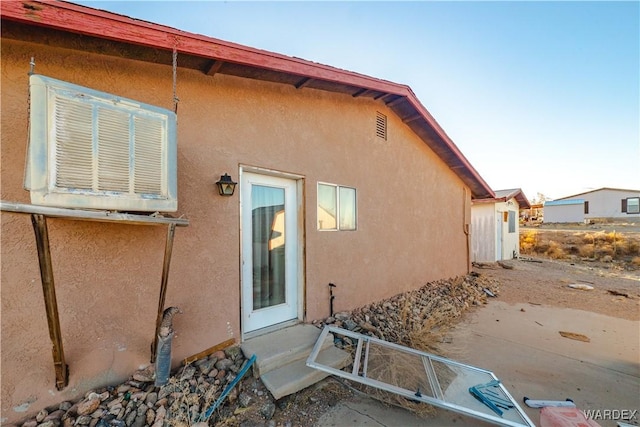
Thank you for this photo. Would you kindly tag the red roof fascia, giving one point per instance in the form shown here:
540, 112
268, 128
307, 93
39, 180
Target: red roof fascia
518, 195
93, 22
413, 99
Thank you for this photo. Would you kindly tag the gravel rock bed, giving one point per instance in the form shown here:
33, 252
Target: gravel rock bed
427, 310
193, 388
138, 402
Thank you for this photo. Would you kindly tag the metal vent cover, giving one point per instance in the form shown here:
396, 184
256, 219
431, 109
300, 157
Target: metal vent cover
381, 126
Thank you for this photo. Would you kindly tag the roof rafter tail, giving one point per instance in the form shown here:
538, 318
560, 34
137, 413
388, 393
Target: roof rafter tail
219, 56
74, 18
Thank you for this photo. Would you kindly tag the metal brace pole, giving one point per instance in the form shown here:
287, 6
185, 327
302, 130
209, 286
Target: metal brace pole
163, 287
48, 288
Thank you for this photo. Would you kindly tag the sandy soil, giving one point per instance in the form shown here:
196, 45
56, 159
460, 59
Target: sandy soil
615, 292
533, 281
529, 290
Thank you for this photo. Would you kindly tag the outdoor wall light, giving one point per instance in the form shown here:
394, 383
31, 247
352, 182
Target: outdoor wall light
226, 186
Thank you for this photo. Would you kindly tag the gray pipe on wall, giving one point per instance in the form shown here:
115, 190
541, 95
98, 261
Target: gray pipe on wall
163, 352
163, 359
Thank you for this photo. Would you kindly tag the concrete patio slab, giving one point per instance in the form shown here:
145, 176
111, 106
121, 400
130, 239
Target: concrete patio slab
521, 344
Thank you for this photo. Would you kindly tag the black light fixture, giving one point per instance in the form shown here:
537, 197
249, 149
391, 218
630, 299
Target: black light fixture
226, 186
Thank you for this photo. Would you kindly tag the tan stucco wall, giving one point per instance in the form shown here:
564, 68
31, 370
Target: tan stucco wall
411, 209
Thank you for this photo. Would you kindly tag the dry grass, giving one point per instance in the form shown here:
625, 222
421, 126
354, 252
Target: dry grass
555, 250
425, 335
595, 246
420, 320
404, 370
528, 241
400, 369
425, 326
185, 410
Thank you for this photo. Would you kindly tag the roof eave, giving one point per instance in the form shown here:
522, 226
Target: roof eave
78, 19
517, 194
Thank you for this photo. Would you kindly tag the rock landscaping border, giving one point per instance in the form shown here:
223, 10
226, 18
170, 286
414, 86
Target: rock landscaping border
416, 318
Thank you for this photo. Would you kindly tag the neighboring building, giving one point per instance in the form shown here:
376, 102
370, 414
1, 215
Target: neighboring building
605, 204
533, 214
495, 226
570, 210
342, 178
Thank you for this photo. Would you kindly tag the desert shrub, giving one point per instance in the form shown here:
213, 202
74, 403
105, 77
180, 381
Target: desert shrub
572, 240
528, 239
636, 261
586, 251
585, 244
526, 248
632, 247
555, 251
529, 242
572, 249
588, 238
604, 250
600, 237
541, 247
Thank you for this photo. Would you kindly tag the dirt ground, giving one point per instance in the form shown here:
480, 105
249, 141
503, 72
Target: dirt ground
537, 281
616, 292
613, 290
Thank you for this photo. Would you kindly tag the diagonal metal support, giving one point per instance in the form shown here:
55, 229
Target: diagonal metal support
51, 304
39, 214
168, 248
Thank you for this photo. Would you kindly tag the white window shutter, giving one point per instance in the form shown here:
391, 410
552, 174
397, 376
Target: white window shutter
73, 155
93, 149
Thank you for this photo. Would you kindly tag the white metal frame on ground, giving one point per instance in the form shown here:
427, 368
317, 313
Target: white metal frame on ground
457, 400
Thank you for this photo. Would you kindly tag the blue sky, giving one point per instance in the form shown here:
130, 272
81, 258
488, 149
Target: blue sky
543, 96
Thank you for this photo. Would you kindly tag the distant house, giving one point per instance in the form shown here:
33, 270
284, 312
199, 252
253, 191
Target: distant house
602, 204
495, 226
535, 213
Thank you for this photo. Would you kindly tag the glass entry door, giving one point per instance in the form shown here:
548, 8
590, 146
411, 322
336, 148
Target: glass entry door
269, 250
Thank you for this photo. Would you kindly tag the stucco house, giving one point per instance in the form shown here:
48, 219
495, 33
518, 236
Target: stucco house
495, 226
341, 178
603, 204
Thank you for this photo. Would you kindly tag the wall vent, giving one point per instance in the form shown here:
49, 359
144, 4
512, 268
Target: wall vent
381, 125
90, 149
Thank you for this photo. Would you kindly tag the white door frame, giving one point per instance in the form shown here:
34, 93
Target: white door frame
247, 174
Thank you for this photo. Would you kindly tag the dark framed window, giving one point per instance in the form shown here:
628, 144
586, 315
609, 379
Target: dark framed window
631, 205
586, 206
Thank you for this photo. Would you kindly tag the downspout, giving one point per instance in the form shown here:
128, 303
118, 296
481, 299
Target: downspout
465, 227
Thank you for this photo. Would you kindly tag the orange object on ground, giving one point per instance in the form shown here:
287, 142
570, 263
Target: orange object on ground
551, 416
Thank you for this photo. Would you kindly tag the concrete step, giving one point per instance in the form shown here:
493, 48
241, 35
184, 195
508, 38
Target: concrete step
282, 347
296, 375
281, 358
